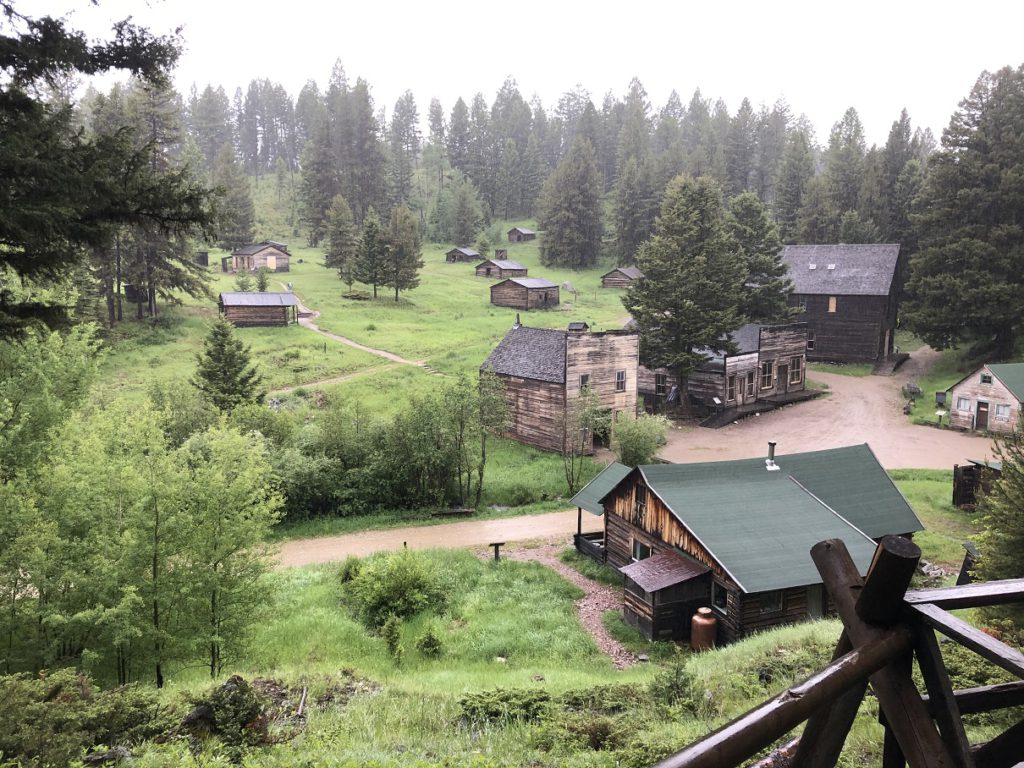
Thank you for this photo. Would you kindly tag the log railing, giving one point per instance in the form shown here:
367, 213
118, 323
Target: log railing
885, 628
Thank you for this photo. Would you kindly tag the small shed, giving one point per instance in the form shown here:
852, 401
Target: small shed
259, 309
521, 235
500, 268
620, 277
988, 399
265, 255
461, 254
971, 477
525, 293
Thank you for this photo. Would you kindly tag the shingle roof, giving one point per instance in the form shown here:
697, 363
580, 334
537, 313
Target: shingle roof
533, 282
531, 353
249, 250
760, 525
502, 264
631, 272
590, 495
859, 270
664, 569
267, 299
523, 230
1012, 376
466, 252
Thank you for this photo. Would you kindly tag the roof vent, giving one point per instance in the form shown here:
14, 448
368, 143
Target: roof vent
831, 266
769, 463
812, 266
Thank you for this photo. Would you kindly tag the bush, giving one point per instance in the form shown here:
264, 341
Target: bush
349, 568
392, 633
504, 705
636, 440
402, 584
233, 711
429, 644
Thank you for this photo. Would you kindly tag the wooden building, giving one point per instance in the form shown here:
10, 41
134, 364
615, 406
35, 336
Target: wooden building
544, 370
972, 477
989, 399
268, 254
525, 293
847, 295
500, 268
767, 367
461, 254
620, 277
521, 235
736, 536
255, 309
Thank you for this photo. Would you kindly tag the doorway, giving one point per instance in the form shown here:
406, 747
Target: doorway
981, 422
782, 382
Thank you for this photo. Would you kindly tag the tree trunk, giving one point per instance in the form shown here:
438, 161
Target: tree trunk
117, 271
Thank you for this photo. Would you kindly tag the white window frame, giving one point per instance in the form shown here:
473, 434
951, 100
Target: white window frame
833, 304
1002, 412
986, 378
660, 384
730, 390
796, 370
620, 381
638, 548
810, 340
768, 374
964, 405
751, 383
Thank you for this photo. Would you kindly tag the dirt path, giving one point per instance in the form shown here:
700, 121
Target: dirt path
865, 409
331, 380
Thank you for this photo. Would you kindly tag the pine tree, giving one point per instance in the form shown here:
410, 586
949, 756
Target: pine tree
690, 296
635, 208
320, 182
739, 149
237, 217
795, 174
370, 264
570, 212
343, 240
225, 373
403, 262
844, 161
766, 286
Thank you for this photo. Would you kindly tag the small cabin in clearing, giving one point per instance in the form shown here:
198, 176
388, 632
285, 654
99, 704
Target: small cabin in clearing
500, 268
989, 399
620, 277
461, 254
972, 477
258, 309
525, 293
736, 536
521, 235
268, 254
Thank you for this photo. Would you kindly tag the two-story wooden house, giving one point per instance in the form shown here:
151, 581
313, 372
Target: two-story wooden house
989, 399
736, 536
544, 370
847, 295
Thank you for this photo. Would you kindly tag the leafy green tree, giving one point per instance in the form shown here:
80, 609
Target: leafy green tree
691, 295
766, 286
403, 260
343, 240
371, 260
492, 408
243, 282
636, 439
967, 281
584, 416
570, 212
225, 372
237, 215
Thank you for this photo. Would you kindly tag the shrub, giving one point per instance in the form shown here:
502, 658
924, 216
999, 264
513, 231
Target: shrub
402, 584
234, 711
429, 644
636, 440
604, 699
569, 733
504, 705
391, 631
349, 568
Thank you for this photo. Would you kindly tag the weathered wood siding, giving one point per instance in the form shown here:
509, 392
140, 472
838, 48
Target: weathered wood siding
601, 356
708, 382
509, 294
783, 345
975, 391
541, 298
616, 279
536, 410
752, 619
256, 316
860, 330
492, 271
520, 237
250, 263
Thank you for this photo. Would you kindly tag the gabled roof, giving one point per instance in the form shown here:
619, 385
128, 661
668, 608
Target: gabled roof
267, 299
760, 525
665, 569
467, 252
631, 272
522, 231
531, 353
251, 250
531, 282
502, 264
856, 270
590, 495
993, 465
1010, 374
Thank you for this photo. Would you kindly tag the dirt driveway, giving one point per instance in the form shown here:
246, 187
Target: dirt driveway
865, 409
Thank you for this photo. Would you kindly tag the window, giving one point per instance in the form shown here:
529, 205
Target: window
810, 340
584, 380
801, 304
1003, 412
660, 384
750, 384
719, 598
770, 602
730, 390
767, 374
963, 404
796, 370
640, 551
986, 378
831, 303
640, 508
620, 381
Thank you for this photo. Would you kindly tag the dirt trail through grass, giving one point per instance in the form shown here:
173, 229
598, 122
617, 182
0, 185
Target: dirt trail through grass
332, 379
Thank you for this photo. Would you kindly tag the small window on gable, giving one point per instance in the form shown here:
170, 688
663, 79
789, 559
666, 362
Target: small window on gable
832, 304
986, 378
640, 551
584, 380
770, 602
620, 381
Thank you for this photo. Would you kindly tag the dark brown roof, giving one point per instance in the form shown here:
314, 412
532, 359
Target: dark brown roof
531, 353
250, 250
665, 569
845, 270
268, 299
631, 272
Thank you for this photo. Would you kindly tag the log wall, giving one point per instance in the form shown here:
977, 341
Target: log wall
536, 411
860, 330
244, 317
615, 280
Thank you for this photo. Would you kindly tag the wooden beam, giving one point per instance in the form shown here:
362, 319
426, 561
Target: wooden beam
986, 698
986, 646
943, 703
748, 734
1004, 751
893, 566
970, 595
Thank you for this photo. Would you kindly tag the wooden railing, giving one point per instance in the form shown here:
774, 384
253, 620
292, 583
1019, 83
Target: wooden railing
884, 629
591, 544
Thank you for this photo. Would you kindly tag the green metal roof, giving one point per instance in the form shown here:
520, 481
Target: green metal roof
761, 525
590, 495
1012, 376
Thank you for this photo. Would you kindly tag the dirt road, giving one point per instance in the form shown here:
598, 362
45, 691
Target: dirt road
859, 410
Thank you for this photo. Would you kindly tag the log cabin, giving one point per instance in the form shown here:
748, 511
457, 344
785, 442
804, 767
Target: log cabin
525, 293
259, 309
736, 536
544, 370
620, 277
461, 254
521, 235
500, 268
766, 370
847, 295
268, 254
970, 478
988, 399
